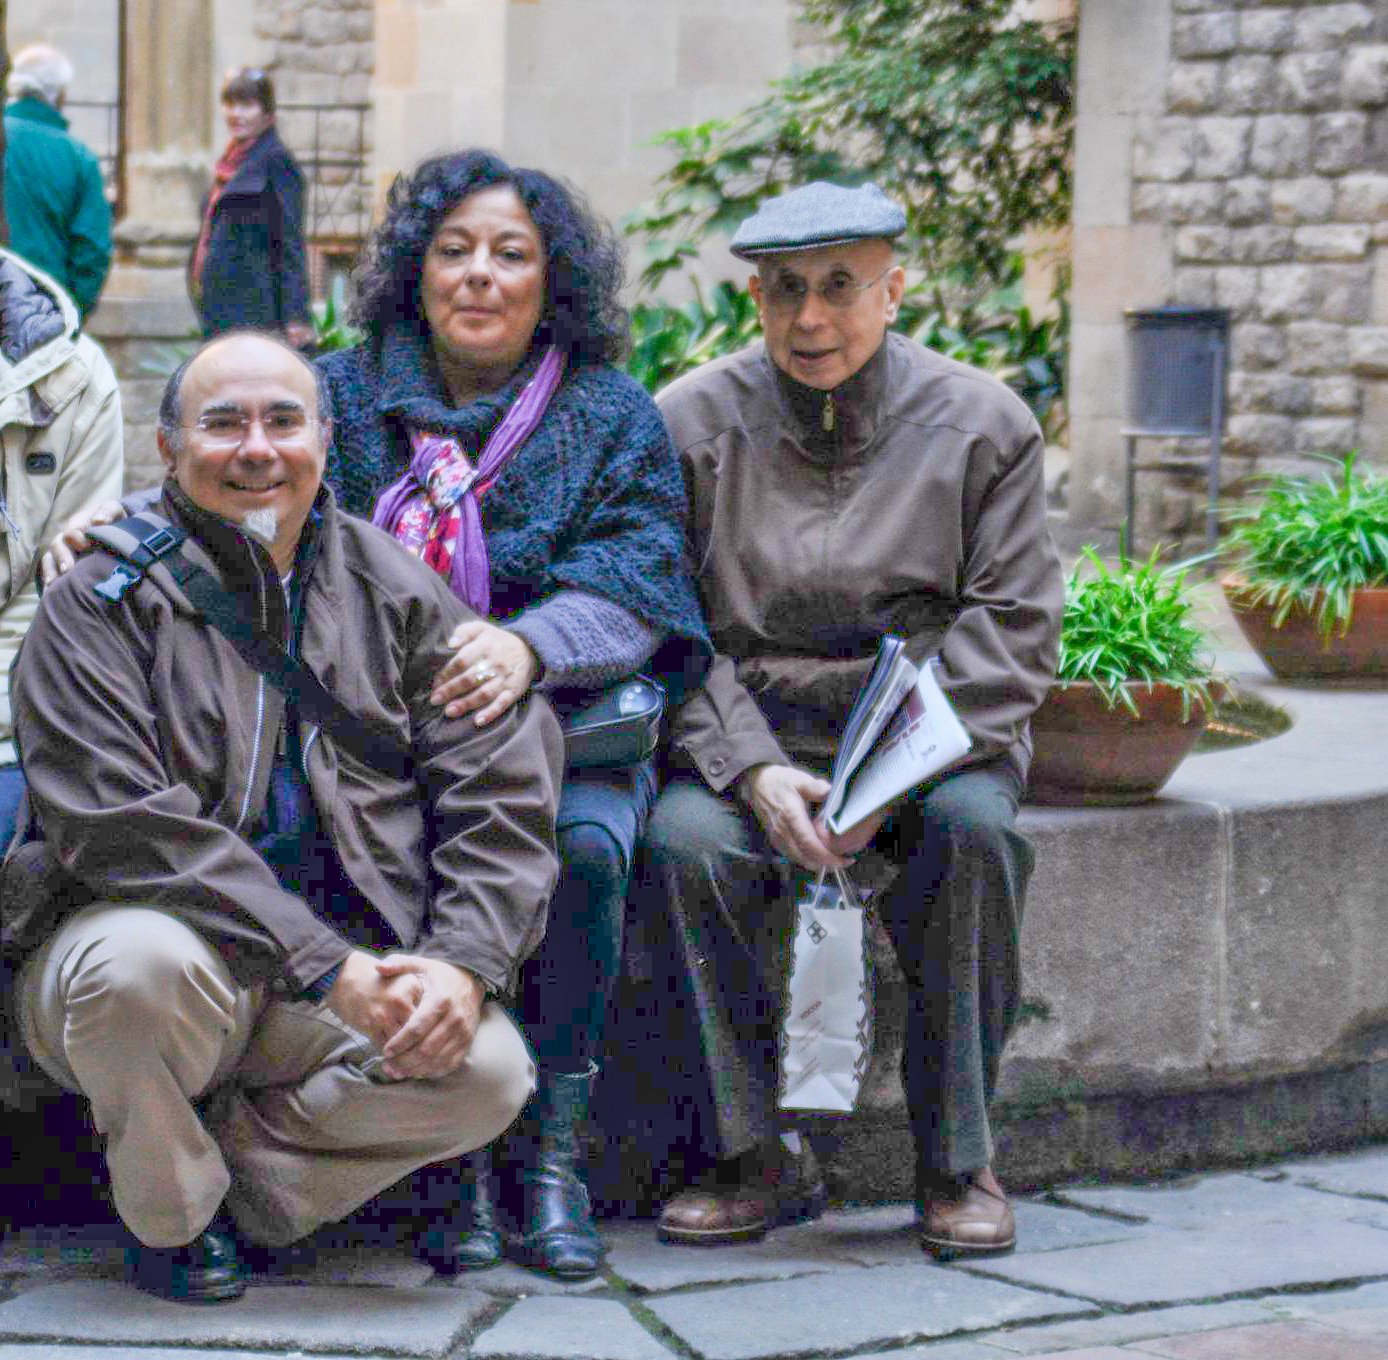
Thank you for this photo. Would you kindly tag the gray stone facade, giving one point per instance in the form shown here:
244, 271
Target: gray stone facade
323, 52
1269, 170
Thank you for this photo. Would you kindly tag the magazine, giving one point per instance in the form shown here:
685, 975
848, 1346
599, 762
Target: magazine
900, 731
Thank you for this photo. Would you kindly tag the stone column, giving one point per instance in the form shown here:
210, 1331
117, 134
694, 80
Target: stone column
1118, 261
144, 318
168, 118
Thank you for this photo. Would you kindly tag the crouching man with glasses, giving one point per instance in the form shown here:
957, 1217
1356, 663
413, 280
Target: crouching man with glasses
270, 963
846, 483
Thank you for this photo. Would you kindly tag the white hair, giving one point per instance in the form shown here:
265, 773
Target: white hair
39, 72
263, 524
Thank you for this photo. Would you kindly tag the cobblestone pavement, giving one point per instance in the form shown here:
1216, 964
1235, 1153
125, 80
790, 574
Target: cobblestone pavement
1286, 1262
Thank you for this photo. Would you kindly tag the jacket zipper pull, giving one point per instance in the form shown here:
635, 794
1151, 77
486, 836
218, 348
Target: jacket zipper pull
828, 418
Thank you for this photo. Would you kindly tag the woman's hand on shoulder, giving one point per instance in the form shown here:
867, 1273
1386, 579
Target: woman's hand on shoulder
490, 669
62, 553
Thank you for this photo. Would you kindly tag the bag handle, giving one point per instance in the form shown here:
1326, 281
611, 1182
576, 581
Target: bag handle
144, 539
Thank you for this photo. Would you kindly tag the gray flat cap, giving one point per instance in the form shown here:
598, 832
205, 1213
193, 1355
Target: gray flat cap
818, 214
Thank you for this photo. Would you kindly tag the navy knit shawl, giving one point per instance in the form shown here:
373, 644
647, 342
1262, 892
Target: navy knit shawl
593, 501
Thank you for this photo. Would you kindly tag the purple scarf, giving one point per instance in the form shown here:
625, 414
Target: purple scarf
470, 572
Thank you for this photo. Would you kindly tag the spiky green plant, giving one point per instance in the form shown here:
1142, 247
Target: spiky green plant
1311, 542
1132, 624
331, 330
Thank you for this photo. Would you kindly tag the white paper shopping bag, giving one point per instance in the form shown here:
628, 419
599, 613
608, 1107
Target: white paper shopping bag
826, 1022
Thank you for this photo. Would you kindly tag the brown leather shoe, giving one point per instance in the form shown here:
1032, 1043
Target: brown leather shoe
741, 1199
967, 1216
714, 1215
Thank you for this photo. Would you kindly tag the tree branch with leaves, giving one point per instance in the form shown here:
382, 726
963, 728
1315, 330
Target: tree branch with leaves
961, 112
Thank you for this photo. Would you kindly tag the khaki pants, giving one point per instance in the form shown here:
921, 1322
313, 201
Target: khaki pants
296, 1126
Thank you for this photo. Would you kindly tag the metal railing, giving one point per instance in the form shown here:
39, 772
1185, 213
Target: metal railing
97, 122
332, 156
327, 140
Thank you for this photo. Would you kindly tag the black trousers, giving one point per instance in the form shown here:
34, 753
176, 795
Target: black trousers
716, 901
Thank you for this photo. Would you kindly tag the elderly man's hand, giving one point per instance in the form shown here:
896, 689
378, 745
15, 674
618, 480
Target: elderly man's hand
782, 797
857, 837
491, 669
435, 1039
62, 553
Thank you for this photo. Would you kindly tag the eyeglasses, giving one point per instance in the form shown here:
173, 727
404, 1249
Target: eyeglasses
788, 292
228, 430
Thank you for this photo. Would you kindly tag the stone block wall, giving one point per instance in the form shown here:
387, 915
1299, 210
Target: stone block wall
1233, 153
1270, 167
324, 52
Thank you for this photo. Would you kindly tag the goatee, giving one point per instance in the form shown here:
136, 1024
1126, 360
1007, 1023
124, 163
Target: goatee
263, 525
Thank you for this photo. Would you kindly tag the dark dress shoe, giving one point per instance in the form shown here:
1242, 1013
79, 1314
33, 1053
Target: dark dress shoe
965, 1216
744, 1198
204, 1271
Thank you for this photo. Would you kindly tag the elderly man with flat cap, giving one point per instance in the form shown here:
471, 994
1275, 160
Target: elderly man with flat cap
847, 483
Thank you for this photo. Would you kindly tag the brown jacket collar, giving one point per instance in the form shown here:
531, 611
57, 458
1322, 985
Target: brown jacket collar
857, 407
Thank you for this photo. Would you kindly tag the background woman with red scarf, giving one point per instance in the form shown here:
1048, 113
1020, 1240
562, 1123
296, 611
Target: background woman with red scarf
249, 267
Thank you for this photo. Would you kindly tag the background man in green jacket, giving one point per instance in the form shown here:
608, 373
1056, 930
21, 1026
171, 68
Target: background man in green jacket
57, 209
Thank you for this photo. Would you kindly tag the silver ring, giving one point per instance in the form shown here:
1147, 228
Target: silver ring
484, 673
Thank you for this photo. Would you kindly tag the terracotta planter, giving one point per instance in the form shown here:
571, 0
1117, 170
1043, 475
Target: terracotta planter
1086, 752
1296, 650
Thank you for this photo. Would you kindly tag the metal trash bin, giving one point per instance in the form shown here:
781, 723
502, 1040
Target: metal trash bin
1177, 367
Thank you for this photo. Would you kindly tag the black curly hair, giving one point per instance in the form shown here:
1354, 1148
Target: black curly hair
583, 314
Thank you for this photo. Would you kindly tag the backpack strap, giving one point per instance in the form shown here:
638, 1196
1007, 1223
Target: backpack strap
138, 542
144, 539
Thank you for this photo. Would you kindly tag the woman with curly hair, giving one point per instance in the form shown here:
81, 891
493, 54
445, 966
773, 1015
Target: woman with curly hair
482, 423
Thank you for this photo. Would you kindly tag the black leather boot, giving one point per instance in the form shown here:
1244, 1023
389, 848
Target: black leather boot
556, 1227
470, 1239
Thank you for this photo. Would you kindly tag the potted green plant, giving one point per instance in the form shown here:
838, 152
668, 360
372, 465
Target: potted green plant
1309, 585
1133, 687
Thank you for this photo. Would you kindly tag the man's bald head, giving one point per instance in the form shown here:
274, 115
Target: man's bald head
241, 434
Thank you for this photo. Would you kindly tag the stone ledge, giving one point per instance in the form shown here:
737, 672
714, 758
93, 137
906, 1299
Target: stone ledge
1205, 976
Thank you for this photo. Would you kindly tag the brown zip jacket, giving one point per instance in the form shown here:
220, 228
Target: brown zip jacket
148, 745
910, 500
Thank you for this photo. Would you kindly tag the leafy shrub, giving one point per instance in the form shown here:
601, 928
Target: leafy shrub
1311, 542
669, 341
961, 112
1131, 624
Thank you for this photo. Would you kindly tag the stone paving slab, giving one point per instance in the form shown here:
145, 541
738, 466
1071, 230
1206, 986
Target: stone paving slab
1361, 1173
1273, 1341
1333, 1301
1120, 1329
413, 1322
568, 1329
1201, 1202
842, 1239
508, 1281
939, 1350
848, 1310
650, 1266
67, 1351
1088, 1353
1367, 1321
887, 1236
1185, 1267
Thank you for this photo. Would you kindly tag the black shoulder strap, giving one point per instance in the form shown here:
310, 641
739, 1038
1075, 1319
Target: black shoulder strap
144, 539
